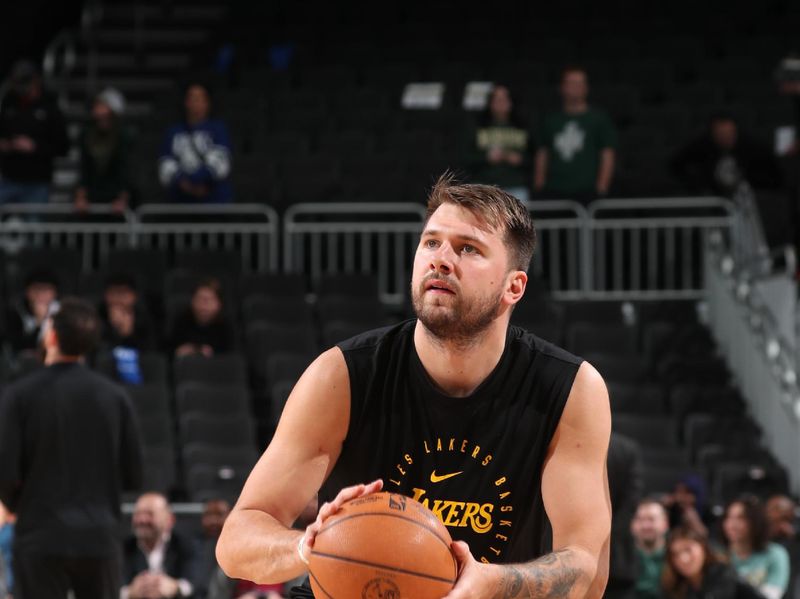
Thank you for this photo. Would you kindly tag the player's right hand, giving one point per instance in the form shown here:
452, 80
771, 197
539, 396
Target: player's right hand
328, 509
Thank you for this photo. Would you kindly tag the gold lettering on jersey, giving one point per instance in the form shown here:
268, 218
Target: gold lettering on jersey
459, 514
478, 517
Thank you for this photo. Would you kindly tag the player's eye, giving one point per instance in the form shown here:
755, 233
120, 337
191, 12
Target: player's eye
469, 249
430, 243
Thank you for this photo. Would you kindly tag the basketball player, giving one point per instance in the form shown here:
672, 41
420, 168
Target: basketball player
492, 428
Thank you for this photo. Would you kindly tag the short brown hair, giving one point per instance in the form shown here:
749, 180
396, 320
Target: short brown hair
77, 327
496, 208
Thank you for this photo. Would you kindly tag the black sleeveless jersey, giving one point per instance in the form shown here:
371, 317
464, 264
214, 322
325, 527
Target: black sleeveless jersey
475, 461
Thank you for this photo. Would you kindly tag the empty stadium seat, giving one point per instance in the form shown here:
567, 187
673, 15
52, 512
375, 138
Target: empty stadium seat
212, 399
217, 370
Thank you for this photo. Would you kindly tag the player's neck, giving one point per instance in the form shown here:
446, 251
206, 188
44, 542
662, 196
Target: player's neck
457, 369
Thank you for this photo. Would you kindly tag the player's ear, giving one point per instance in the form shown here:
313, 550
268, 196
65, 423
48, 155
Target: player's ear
515, 289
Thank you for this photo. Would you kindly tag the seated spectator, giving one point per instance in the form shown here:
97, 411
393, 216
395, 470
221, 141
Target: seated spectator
686, 505
576, 155
6, 542
158, 561
203, 328
501, 146
723, 158
32, 134
27, 314
781, 512
219, 585
105, 148
763, 564
127, 321
649, 529
195, 162
693, 571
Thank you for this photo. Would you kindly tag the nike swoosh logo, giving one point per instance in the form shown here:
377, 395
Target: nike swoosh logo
437, 479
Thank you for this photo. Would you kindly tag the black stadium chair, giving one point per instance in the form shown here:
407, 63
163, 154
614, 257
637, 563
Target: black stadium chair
212, 399
236, 431
220, 369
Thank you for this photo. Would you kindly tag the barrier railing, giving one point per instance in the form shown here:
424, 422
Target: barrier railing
559, 256
377, 239
93, 233
251, 230
615, 249
650, 248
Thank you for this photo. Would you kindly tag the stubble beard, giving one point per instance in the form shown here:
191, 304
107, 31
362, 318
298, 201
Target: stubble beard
462, 323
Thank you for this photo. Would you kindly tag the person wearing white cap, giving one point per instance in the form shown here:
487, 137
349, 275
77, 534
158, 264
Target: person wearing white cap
105, 149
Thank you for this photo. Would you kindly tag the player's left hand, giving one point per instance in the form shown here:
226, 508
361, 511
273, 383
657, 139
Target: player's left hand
475, 580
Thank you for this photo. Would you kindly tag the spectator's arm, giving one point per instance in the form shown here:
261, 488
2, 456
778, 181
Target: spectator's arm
540, 169
606, 170
218, 158
777, 580
10, 450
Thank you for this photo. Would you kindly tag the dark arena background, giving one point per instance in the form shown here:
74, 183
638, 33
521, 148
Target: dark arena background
673, 270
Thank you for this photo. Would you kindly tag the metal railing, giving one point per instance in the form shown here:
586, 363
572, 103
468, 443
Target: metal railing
251, 230
615, 249
650, 248
377, 239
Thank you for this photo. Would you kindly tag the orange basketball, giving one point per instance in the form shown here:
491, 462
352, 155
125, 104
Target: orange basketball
382, 546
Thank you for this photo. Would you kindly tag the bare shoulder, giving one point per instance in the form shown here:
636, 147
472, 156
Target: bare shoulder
587, 409
321, 395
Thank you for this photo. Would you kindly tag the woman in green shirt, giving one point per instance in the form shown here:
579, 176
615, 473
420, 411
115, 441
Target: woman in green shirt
763, 564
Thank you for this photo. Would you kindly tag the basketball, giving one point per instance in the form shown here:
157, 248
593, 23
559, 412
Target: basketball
382, 546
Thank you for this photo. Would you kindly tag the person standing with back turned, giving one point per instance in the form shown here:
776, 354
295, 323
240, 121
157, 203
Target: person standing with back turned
456, 406
69, 443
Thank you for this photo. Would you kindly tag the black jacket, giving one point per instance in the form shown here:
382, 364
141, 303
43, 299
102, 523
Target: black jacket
181, 561
721, 582
69, 444
42, 121
699, 166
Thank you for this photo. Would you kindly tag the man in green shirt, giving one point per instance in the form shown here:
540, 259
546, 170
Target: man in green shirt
577, 152
649, 529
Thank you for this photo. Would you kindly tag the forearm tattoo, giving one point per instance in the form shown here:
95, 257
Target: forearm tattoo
549, 577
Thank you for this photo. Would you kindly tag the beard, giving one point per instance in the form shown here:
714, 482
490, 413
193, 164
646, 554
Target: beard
456, 320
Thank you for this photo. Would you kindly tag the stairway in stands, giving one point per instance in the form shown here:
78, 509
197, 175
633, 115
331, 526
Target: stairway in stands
145, 51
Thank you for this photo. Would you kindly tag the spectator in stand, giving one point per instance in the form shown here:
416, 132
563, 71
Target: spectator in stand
69, 446
686, 505
578, 145
723, 158
159, 561
32, 134
500, 148
127, 321
105, 150
28, 313
219, 585
203, 328
781, 512
693, 571
6, 554
195, 162
649, 529
763, 564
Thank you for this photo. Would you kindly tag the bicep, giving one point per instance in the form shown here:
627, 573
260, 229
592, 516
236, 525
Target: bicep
306, 444
575, 477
